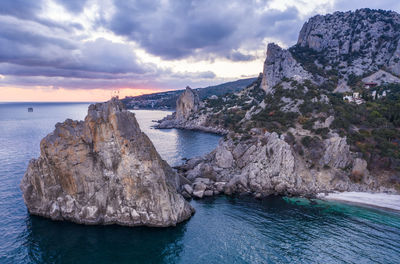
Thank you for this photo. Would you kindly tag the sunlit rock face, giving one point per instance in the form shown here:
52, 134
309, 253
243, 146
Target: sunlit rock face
103, 170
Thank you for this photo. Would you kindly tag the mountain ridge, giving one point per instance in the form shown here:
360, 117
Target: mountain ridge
167, 100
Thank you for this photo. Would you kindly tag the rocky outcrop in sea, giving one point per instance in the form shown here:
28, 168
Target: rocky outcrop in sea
103, 170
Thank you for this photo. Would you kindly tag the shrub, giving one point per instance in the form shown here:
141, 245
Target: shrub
306, 141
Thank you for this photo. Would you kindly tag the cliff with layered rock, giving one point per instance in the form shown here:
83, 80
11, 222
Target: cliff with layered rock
362, 41
103, 170
292, 132
280, 64
344, 47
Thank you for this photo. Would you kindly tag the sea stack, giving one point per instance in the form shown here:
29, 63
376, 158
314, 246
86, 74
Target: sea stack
186, 104
103, 170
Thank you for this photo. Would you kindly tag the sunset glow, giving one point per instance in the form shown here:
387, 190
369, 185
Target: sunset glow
40, 94
59, 50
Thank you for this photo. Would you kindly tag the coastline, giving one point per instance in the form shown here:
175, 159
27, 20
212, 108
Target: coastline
377, 200
204, 129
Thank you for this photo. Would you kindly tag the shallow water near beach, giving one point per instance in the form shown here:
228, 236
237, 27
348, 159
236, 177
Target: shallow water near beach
223, 230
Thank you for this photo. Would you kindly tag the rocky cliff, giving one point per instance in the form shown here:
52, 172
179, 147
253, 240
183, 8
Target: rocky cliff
338, 50
167, 100
103, 170
278, 65
291, 132
187, 103
186, 116
267, 163
369, 37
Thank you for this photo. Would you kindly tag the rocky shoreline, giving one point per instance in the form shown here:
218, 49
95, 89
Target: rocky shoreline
187, 104
168, 123
103, 170
265, 165
289, 133
292, 132
262, 163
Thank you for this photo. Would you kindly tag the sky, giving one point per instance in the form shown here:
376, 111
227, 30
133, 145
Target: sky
86, 50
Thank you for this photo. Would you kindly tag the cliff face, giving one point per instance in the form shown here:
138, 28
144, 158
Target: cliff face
187, 103
280, 64
370, 36
338, 50
187, 115
270, 164
103, 170
291, 131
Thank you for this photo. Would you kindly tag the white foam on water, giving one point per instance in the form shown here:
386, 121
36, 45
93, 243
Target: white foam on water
382, 200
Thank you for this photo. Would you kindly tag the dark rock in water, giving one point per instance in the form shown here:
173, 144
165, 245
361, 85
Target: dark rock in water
30, 109
103, 170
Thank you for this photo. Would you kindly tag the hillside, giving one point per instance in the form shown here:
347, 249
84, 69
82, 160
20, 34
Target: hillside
167, 100
325, 112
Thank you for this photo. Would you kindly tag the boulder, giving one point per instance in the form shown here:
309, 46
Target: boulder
219, 186
187, 188
199, 189
208, 193
224, 157
103, 170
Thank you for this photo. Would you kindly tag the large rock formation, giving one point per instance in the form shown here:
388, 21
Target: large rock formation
363, 41
187, 106
187, 103
339, 48
324, 143
103, 170
280, 64
374, 33
268, 164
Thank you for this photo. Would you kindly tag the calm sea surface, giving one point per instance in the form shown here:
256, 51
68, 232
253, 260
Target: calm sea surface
223, 230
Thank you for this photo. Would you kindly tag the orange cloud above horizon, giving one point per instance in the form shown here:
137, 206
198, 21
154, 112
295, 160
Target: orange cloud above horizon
45, 94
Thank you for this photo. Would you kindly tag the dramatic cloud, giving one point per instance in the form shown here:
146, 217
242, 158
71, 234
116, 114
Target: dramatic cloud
75, 6
30, 10
30, 44
168, 44
24, 9
178, 29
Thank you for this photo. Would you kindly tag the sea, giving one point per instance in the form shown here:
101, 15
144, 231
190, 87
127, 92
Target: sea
224, 229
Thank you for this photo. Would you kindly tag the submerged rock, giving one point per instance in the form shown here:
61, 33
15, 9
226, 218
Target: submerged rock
103, 170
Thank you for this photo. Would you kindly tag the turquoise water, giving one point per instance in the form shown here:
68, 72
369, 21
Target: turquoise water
223, 230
